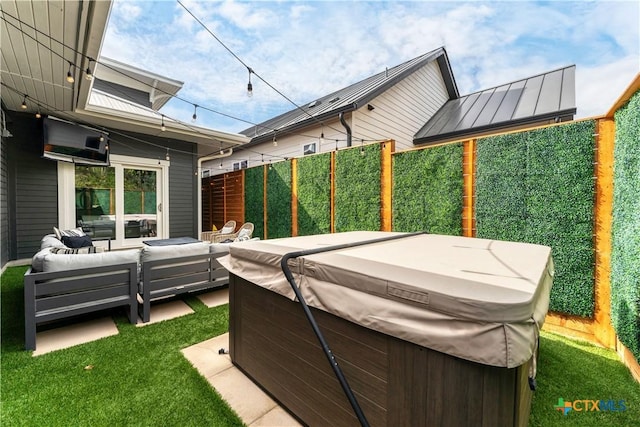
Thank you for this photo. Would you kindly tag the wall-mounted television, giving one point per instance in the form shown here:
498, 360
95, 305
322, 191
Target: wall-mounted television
68, 142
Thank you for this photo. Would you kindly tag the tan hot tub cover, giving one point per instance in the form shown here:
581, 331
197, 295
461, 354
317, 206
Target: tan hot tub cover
480, 300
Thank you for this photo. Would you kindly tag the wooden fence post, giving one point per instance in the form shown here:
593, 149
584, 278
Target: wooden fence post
603, 329
333, 191
265, 172
294, 197
468, 192
386, 185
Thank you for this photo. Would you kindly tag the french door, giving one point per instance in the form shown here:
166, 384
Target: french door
123, 204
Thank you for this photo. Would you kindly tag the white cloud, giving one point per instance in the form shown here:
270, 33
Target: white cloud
309, 49
600, 86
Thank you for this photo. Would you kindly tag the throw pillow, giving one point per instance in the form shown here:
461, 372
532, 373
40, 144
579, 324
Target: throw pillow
84, 250
226, 230
74, 232
77, 241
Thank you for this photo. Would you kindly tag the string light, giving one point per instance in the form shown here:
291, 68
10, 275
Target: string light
162, 126
322, 137
167, 158
262, 154
249, 85
88, 75
275, 141
101, 139
38, 115
220, 167
70, 78
71, 65
221, 150
24, 103
195, 111
362, 147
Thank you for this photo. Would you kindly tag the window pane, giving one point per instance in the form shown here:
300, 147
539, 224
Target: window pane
95, 200
140, 212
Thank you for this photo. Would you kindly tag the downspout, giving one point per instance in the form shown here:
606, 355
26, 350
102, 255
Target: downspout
200, 161
346, 126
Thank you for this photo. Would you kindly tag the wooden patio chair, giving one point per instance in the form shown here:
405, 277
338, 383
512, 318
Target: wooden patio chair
244, 233
228, 228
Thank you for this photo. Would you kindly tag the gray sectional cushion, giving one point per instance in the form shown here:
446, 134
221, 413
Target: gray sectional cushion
51, 241
63, 262
219, 248
153, 253
38, 259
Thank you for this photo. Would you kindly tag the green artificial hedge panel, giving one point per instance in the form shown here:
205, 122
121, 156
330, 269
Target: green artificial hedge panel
538, 187
625, 251
427, 190
314, 194
254, 199
357, 189
279, 200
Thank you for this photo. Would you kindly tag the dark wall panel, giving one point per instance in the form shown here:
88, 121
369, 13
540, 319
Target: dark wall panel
33, 188
4, 212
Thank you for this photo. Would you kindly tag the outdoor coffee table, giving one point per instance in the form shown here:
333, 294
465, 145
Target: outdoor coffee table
171, 241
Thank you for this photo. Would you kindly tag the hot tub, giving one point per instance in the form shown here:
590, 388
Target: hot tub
428, 329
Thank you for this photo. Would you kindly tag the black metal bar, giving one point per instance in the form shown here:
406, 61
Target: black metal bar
314, 325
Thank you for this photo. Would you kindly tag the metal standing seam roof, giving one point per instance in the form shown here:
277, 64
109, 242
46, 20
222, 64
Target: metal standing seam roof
542, 97
351, 97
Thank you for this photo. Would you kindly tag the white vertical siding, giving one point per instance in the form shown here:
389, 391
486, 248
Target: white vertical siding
289, 146
403, 109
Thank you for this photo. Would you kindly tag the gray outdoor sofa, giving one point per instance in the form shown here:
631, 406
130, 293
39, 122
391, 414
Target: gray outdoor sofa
60, 285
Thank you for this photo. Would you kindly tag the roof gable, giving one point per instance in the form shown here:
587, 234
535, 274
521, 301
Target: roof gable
547, 96
351, 97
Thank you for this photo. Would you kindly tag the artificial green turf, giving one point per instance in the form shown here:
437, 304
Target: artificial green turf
576, 370
139, 377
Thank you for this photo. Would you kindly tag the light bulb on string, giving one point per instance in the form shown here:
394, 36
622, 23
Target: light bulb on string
249, 85
88, 75
221, 150
167, 156
24, 103
362, 147
275, 141
38, 115
195, 115
70, 78
162, 126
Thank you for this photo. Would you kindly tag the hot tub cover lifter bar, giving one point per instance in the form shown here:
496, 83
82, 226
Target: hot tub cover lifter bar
312, 321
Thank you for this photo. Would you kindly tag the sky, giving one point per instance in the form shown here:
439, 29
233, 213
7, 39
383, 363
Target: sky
308, 49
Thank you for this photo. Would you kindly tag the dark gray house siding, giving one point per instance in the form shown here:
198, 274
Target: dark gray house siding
31, 184
4, 212
32, 189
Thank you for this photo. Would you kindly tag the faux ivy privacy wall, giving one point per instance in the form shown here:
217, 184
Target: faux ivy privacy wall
279, 200
427, 190
538, 187
254, 199
357, 193
625, 251
314, 194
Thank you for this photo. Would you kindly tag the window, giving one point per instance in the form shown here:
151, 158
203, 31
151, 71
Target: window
240, 165
309, 149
